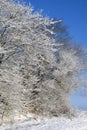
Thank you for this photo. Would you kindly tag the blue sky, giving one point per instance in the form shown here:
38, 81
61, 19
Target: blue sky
73, 13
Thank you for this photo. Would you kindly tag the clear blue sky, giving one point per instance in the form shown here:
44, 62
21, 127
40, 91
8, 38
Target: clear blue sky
73, 13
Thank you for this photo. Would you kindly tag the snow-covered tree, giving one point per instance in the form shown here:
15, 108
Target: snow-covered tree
32, 78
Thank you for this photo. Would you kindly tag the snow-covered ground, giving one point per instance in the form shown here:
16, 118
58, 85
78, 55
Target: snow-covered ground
31, 122
54, 123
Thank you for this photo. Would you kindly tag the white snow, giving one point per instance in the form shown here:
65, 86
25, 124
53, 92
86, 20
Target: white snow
54, 123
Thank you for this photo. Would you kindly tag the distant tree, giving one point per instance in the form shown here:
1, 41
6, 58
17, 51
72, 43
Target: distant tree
32, 78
